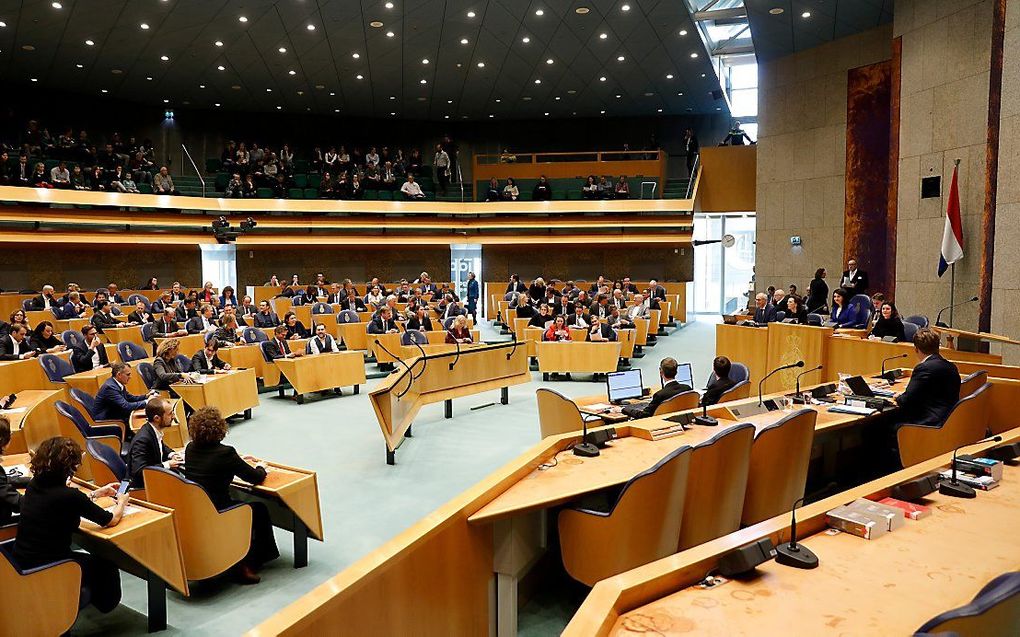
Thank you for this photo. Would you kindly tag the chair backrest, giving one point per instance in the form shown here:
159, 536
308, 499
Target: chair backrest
296, 300
27, 305
864, 308
322, 308
42, 600
909, 330
972, 382
738, 372
966, 423
917, 319
72, 338
680, 402
780, 315
253, 335
716, 486
107, 465
85, 399
448, 322
347, 316
737, 392
814, 319
773, 485
130, 351
196, 515
264, 348
410, 337
147, 374
55, 367
135, 298
115, 310
184, 363
148, 332
209, 336
994, 612
557, 414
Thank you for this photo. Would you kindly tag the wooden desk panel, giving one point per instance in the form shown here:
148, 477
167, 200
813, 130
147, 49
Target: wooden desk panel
189, 344
132, 334
788, 343
243, 357
297, 489
862, 356
232, 392
385, 347
578, 357
10, 302
33, 419
747, 345
353, 335
90, 381
320, 372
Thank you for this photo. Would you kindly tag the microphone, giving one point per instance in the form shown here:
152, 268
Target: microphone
778, 369
891, 358
514, 350
424, 358
585, 449
793, 554
958, 489
457, 343
815, 369
939, 323
704, 419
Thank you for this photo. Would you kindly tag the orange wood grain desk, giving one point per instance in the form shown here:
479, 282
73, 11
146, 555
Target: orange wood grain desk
91, 380
578, 356
127, 334
321, 372
232, 392
145, 543
33, 418
888, 586
188, 345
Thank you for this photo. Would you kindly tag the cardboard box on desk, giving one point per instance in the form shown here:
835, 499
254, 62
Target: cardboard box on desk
856, 523
891, 516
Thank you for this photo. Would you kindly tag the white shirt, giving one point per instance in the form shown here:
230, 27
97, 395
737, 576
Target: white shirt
330, 345
411, 189
159, 443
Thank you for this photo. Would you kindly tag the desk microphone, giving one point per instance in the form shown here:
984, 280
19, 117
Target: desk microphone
792, 554
939, 323
457, 343
958, 489
814, 369
767, 376
584, 448
704, 419
891, 358
514, 350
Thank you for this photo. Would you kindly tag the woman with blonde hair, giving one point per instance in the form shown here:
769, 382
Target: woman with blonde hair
459, 332
167, 370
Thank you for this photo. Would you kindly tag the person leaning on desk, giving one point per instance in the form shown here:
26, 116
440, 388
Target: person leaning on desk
166, 368
670, 387
205, 360
15, 346
764, 312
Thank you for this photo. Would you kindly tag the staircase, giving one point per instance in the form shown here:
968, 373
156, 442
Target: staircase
191, 186
675, 188
453, 193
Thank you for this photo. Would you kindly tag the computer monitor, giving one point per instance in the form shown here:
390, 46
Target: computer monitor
624, 385
684, 375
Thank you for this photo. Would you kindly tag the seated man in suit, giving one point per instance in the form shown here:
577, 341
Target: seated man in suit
266, 317
934, 387
670, 387
578, 317
74, 308
114, 401
186, 310
203, 323
167, 327
353, 302
245, 309
600, 331
140, 315
91, 354
278, 346
600, 308
147, 449
764, 311
336, 296
656, 291
384, 323
15, 345
113, 295
721, 366
205, 360
45, 301
420, 320
102, 318
10, 499
161, 303
176, 293
323, 342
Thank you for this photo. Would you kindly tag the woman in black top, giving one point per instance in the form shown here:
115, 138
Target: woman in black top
151, 284
889, 324
165, 365
51, 512
44, 340
295, 328
795, 310
213, 465
818, 293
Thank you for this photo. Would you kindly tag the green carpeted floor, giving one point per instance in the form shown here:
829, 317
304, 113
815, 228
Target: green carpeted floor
365, 502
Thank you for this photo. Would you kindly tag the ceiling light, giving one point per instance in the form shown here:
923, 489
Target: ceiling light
571, 92
681, 94
217, 104
423, 81
279, 108
201, 86
375, 24
806, 14
166, 101
27, 47
538, 81
221, 68
620, 58
557, 98
660, 110
103, 90
80, 66
618, 96
449, 101
3, 25
481, 65
602, 112
310, 27
148, 78
526, 98
35, 79
292, 72
669, 76
603, 36
394, 114
424, 60
470, 14
90, 42
143, 26
388, 5
269, 90
525, 39
649, 94
776, 10
390, 34
336, 110
282, 49
549, 61
491, 115
547, 114
300, 92
235, 87
56, 5
694, 55
241, 18
539, 12
498, 101
463, 40
359, 76
164, 58
446, 117
356, 56
582, 10
332, 93
218, 43
625, 7
702, 75
320, 86
602, 79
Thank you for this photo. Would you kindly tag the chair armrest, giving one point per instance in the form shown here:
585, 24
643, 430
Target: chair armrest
113, 442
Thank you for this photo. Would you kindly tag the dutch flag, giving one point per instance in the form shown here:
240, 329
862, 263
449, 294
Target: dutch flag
952, 236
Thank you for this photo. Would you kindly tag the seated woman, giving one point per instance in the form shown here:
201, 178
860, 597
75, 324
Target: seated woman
51, 512
795, 310
590, 189
295, 328
44, 340
558, 331
493, 193
166, 368
10, 499
459, 332
227, 297
843, 314
213, 465
227, 335
510, 191
888, 324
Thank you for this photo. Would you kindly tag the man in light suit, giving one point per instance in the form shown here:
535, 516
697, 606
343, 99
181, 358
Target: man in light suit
114, 401
670, 387
147, 449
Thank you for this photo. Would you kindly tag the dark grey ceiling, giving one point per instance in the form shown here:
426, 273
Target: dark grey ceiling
778, 35
125, 57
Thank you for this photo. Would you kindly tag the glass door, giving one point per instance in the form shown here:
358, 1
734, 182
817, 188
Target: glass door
722, 275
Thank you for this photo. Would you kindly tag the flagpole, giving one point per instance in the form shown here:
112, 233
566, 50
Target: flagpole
952, 292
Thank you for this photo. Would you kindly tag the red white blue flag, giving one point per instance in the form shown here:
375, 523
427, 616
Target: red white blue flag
952, 236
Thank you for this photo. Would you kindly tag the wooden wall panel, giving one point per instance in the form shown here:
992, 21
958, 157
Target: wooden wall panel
26, 266
256, 264
729, 179
665, 263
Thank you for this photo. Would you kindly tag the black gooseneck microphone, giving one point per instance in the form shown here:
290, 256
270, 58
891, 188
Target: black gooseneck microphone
958, 489
584, 448
514, 350
457, 343
767, 376
793, 554
813, 369
891, 358
424, 359
939, 323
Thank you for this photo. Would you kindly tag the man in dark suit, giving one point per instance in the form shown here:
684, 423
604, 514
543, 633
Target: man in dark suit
854, 281
91, 354
176, 293
162, 303
353, 302
203, 323
74, 308
670, 387
336, 295
205, 360
420, 321
764, 311
45, 301
564, 306
140, 315
600, 332
266, 317
721, 366
114, 401
384, 323
147, 449
186, 310
15, 346
102, 318
934, 387
578, 317
278, 347
166, 326
656, 291
600, 308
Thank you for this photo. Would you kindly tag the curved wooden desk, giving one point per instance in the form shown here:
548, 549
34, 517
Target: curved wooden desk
579, 356
320, 372
424, 380
232, 392
33, 419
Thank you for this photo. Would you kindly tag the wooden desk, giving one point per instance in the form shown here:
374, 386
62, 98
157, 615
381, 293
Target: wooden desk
322, 372
384, 347
9, 302
243, 357
189, 344
578, 357
353, 335
33, 419
232, 392
292, 496
90, 381
954, 337
852, 591
747, 345
789, 343
862, 356
399, 397
131, 333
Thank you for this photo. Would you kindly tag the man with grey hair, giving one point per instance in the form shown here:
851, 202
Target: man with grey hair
764, 311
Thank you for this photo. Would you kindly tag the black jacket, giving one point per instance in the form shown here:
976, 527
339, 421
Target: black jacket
889, 327
167, 372
715, 390
670, 389
933, 391
381, 326
199, 362
10, 499
81, 357
164, 329
424, 325
11, 351
145, 451
214, 466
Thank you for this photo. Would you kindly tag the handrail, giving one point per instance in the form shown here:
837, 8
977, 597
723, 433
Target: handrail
582, 156
197, 171
695, 169
460, 177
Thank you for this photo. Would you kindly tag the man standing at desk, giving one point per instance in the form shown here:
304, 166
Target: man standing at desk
934, 387
854, 281
670, 387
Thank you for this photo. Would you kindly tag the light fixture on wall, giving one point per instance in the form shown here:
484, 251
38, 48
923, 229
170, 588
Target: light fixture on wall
795, 240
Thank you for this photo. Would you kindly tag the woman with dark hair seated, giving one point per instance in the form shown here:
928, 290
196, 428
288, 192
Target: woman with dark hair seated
889, 324
795, 310
843, 314
44, 340
558, 330
51, 512
213, 465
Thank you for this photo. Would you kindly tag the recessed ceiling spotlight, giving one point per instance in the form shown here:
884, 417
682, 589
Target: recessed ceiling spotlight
602, 79
148, 78
332, 93
620, 58
3, 25
481, 65
269, 90
423, 81
618, 96
27, 47
603, 112
300, 92
217, 104
235, 87
292, 72
498, 100
526, 98
702, 75
669, 76
549, 61
547, 114
582, 10
356, 56
603, 36
390, 34
491, 115
537, 81
694, 55
625, 7
165, 58
375, 24
218, 43
279, 108
393, 114
221, 68
463, 40
806, 14
424, 60
116, 71
777, 10
166, 101
336, 110
683, 31
557, 98
80, 66
649, 94
35, 79
90, 42
681, 94
103, 90
143, 26
470, 14
310, 27
241, 18
446, 117
718, 108
539, 12
525, 39
388, 5
282, 49
660, 110
56, 5
201, 86
571, 92
359, 76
